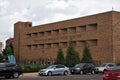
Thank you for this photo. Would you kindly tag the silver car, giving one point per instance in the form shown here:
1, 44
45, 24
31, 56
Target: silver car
103, 67
54, 70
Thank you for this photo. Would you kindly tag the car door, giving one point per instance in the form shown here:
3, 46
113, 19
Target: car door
90, 67
59, 69
86, 68
56, 70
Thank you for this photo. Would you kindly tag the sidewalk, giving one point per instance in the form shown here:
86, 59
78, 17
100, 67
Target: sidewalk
30, 74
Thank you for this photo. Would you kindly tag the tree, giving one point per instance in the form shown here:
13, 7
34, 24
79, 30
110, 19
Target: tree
1, 57
7, 51
60, 57
72, 57
87, 55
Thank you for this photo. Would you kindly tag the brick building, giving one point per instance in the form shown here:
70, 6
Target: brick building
9, 42
40, 43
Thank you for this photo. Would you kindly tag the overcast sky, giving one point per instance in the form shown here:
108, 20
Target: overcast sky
47, 11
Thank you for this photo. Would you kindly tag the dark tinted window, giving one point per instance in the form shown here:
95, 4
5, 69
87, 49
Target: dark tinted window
90, 65
79, 65
59, 66
111, 65
86, 65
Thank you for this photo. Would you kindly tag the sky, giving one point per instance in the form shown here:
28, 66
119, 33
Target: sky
47, 11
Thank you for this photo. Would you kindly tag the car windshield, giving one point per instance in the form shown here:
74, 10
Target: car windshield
79, 65
51, 67
102, 65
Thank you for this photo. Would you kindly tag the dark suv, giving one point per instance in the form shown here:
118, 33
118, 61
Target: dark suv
10, 70
83, 68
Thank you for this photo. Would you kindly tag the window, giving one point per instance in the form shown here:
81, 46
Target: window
34, 34
63, 44
63, 31
48, 45
28, 35
92, 26
59, 66
10, 65
41, 46
72, 29
41, 33
81, 43
29, 46
35, 46
30, 25
55, 32
82, 28
47, 33
55, 45
92, 42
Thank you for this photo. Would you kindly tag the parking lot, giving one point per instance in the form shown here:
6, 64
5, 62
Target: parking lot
34, 76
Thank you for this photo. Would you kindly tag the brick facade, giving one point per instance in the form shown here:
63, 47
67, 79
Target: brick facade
40, 43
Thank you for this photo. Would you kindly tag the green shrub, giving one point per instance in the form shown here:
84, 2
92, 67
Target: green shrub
32, 67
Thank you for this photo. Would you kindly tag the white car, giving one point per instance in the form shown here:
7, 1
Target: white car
103, 67
54, 70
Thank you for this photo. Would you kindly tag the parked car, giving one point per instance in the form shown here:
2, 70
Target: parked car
54, 70
112, 74
10, 70
103, 67
83, 68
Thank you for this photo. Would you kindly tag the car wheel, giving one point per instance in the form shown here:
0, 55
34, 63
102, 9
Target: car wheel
81, 72
92, 72
65, 72
104, 71
49, 73
15, 75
